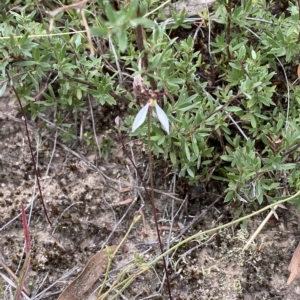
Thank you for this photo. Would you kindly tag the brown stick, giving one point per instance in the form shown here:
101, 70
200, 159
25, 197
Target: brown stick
140, 44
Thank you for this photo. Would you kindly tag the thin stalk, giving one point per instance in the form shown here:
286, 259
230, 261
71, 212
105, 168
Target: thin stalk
140, 44
22, 277
228, 28
149, 197
299, 18
35, 167
26, 264
152, 199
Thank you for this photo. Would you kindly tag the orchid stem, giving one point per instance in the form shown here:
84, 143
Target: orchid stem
152, 199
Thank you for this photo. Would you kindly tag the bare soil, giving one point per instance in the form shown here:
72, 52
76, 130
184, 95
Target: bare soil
91, 203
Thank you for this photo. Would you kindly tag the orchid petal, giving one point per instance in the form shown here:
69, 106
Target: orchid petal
140, 118
162, 118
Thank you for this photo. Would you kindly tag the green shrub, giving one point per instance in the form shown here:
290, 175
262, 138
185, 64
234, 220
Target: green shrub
241, 128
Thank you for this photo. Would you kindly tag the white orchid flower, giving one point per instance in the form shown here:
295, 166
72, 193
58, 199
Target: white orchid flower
142, 114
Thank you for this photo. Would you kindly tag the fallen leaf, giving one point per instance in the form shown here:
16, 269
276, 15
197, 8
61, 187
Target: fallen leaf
91, 272
298, 71
294, 266
124, 202
125, 248
142, 233
167, 228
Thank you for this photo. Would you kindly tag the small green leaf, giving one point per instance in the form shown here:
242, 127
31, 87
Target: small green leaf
99, 31
25, 63
122, 40
253, 121
187, 151
156, 60
173, 158
229, 196
79, 94
226, 158
142, 21
195, 146
111, 14
234, 108
190, 172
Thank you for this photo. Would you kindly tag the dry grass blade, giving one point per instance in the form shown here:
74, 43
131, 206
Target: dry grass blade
262, 225
93, 269
57, 11
294, 266
26, 264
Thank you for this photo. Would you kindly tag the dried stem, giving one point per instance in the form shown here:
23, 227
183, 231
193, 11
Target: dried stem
35, 167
